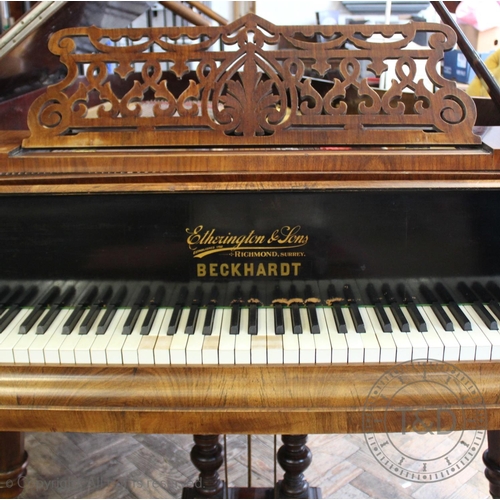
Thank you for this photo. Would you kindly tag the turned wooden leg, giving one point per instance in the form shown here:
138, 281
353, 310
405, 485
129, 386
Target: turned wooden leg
294, 457
13, 463
206, 456
491, 458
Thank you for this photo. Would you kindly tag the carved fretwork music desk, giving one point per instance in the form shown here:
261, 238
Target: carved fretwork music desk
234, 230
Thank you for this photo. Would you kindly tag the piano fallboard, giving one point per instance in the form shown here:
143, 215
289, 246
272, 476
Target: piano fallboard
259, 236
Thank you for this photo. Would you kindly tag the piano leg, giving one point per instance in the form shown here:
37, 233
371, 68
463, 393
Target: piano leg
13, 463
491, 459
206, 456
295, 457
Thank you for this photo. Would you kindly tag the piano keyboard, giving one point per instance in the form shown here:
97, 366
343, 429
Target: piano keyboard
85, 325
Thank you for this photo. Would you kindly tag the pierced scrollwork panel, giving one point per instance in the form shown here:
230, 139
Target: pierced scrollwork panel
252, 83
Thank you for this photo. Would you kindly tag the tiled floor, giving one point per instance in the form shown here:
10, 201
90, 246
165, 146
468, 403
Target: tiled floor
158, 466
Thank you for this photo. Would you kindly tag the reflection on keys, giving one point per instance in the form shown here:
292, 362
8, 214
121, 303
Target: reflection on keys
245, 324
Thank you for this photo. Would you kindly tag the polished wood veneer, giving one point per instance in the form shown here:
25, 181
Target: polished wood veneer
214, 400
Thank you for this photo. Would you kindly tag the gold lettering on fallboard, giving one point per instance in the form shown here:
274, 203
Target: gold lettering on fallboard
205, 241
250, 269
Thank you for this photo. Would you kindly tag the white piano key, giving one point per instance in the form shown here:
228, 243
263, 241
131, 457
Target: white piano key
337, 340
467, 345
195, 341
258, 347
116, 341
180, 338
450, 343
67, 348
493, 336
434, 342
82, 349
145, 352
483, 344
162, 350
21, 349
274, 345
132, 342
355, 346
227, 341
243, 341
386, 344
307, 346
290, 340
210, 349
36, 350
322, 342
419, 346
99, 346
371, 345
10, 337
52, 347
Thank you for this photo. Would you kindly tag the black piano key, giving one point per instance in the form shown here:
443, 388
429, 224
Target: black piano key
58, 304
193, 311
296, 319
312, 313
253, 316
436, 307
493, 289
16, 306
176, 313
4, 290
38, 310
279, 319
487, 297
412, 309
294, 303
208, 324
87, 299
490, 322
253, 319
115, 302
11, 298
481, 311
236, 303
495, 308
336, 302
382, 317
458, 314
133, 315
154, 304
94, 310
338, 316
399, 316
234, 328
417, 317
354, 310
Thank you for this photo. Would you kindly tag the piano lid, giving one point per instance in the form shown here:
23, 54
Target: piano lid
26, 62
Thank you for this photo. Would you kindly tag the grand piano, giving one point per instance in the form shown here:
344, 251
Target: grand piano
208, 241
